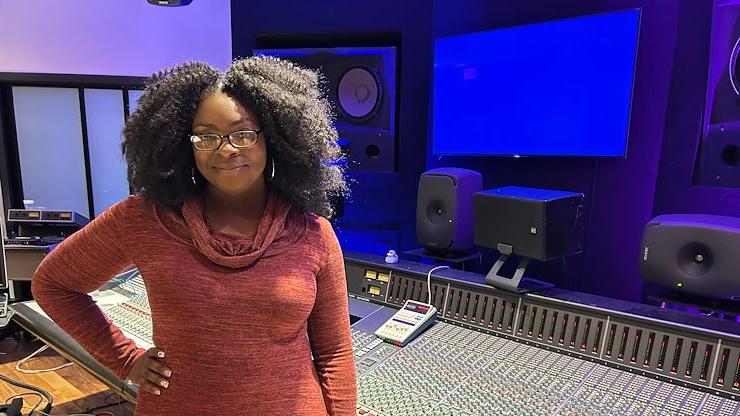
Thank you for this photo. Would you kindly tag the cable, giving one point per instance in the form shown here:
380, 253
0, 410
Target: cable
44, 370
42, 392
429, 282
87, 412
33, 393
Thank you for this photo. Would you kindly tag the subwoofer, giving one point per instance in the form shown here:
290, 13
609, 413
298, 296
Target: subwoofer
444, 209
361, 84
693, 254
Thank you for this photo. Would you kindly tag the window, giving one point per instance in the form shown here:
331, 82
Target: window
104, 118
50, 148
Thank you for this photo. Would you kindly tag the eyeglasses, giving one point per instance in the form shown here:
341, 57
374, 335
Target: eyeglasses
240, 139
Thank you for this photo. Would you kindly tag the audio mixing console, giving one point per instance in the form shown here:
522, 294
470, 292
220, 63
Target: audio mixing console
553, 353
498, 353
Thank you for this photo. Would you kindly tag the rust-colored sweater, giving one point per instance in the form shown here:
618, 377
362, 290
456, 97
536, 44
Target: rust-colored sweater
238, 318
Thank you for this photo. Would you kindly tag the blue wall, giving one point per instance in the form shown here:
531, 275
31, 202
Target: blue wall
384, 201
620, 191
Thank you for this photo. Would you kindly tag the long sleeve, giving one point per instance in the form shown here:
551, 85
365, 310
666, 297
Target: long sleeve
328, 331
81, 264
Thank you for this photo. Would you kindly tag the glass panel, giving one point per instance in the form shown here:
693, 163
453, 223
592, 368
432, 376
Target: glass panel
104, 115
133, 99
49, 130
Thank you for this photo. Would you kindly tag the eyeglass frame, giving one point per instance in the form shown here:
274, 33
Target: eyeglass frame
225, 136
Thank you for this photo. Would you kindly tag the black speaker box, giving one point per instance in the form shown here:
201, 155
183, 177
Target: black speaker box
361, 85
693, 254
538, 224
444, 209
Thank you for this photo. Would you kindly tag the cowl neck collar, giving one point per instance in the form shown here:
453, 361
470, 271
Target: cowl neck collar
279, 228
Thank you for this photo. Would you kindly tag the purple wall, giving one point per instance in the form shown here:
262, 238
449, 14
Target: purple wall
625, 188
677, 192
96, 37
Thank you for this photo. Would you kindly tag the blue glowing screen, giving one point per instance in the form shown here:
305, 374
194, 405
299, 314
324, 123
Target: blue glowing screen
560, 88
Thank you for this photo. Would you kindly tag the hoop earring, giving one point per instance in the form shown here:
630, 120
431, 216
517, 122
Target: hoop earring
272, 171
192, 176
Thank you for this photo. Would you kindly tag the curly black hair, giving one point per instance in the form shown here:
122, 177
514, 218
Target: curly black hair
293, 112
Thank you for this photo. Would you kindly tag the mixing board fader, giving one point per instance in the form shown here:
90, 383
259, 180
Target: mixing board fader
553, 352
450, 370
133, 315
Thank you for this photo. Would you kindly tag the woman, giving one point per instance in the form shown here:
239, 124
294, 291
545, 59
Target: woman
245, 276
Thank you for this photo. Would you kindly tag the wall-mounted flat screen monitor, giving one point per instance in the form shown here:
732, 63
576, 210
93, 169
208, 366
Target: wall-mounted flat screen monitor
559, 88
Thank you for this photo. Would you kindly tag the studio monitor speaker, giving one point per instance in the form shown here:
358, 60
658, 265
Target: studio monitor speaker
539, 224
693, 254
361, 84
444, 209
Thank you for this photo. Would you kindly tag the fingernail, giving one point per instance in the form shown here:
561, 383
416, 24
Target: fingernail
160, 354
164, 383
167, 373
157, 392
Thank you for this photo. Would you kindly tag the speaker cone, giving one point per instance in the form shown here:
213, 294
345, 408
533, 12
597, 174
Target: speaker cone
435, 212
358, 93
695, 259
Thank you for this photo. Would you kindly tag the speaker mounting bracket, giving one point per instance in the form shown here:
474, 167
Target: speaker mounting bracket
517, 283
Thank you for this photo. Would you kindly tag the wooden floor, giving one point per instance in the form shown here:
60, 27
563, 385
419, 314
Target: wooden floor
73, 389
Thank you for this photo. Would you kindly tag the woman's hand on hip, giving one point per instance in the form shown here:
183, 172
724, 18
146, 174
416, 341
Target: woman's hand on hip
150, 373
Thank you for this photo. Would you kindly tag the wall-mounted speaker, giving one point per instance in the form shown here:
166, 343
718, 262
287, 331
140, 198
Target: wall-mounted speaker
361, 84
721, 138
720, 151
444, 209
693, 254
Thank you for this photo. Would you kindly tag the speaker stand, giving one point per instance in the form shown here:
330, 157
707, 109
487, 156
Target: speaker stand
517, 283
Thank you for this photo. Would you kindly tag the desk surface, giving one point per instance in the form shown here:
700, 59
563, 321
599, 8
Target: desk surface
31, 318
